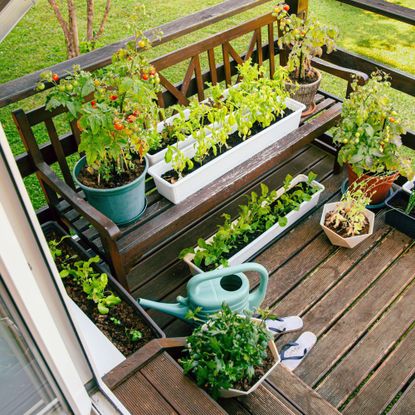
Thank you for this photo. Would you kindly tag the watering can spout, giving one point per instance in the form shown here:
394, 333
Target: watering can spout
178, 310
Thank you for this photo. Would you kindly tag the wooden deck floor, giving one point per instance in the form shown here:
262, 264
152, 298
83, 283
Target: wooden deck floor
360, 303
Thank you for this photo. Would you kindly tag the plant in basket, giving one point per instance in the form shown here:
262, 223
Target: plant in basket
231, 354
349, 222
116, 112
304, 39
369, 136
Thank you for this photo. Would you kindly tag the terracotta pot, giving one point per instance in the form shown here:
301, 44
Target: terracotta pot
305, 93
338, 240
381, 185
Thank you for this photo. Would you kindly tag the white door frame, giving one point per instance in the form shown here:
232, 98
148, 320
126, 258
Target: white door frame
31, 277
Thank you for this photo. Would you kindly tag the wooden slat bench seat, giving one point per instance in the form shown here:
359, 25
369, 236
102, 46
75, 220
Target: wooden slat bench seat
134, 252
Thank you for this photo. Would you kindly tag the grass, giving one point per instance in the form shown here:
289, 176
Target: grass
37, 42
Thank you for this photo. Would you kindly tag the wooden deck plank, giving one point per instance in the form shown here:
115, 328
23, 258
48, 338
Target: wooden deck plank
347, 330
185, 397
406, 403
327, 311
324, 278
141, 398
387, 381
354, 368
264, 402
233, 407
294, 389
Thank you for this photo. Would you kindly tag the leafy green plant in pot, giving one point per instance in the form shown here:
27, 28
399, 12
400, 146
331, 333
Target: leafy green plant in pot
348, 222
304, 39
369, 136
231, 354
117, 113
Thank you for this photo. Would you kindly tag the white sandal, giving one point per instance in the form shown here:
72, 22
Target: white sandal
293, 353
283, 325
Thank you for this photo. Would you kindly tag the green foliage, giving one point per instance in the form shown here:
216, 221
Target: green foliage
255, 217
115, 108
349, 216
94, 284
226, 350
304, 38
256, 99
370, 130
411, 203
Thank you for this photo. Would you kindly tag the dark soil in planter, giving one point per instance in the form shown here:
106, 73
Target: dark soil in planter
122, 311
400, 202
116, 180
260, 371
242, 243
234, 139
342, 232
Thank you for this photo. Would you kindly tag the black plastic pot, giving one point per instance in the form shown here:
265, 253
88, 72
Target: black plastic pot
114, 285
396, 217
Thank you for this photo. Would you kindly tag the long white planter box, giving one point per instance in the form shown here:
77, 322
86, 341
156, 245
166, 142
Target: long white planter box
219, 166
250, 250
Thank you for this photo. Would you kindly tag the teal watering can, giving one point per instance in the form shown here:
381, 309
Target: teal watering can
211, 289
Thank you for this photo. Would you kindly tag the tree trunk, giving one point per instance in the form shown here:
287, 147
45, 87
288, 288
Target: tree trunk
73, 27
89, 20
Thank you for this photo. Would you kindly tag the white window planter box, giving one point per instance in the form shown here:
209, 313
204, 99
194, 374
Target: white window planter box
257, 244
222, 164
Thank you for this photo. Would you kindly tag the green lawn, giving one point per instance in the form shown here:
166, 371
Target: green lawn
37, 42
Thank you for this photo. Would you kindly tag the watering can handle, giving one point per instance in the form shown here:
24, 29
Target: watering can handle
256, 297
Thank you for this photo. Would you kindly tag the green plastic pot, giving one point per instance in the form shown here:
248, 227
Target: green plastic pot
124, 204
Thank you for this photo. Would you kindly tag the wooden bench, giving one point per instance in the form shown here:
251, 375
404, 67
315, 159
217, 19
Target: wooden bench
151, 382
135, 252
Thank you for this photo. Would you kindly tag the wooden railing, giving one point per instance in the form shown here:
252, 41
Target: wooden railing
24, 87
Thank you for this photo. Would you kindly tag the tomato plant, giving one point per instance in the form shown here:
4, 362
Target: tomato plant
119, 125
304, 38
370, 130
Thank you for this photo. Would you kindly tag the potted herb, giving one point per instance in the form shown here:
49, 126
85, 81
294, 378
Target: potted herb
98, 297
369, 136
401, 212
260, 220
304, 39
230, 355
253, 115
117, 114
348, 223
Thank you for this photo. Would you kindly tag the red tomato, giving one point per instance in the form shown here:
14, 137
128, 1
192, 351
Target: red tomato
55, 77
